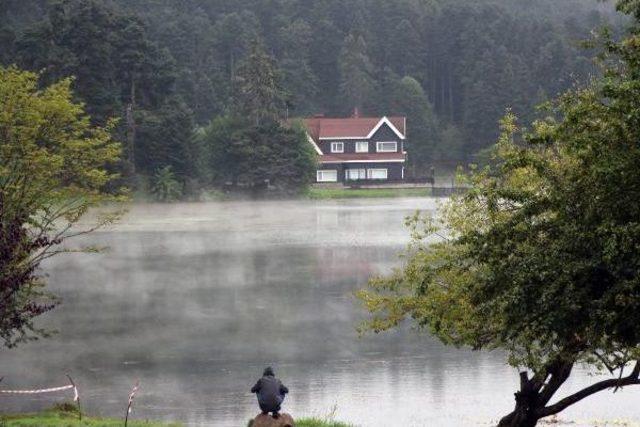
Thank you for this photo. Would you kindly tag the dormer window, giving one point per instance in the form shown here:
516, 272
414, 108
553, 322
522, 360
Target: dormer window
337, 147
386, 147
362, 147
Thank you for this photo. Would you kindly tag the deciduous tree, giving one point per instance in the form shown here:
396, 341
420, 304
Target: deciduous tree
540, 258
54, 166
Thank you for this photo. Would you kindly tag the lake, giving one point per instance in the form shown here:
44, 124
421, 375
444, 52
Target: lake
194, 300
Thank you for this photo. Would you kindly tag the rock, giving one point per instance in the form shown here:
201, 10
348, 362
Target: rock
284, 420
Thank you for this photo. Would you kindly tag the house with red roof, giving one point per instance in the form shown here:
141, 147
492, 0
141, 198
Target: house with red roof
358, 149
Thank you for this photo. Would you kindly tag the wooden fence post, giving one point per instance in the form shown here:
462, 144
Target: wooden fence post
75, 390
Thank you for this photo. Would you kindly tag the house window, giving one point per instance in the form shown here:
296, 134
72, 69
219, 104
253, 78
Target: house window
377, 173
355, 174
386, 147
327, 176
337, 147
362, 147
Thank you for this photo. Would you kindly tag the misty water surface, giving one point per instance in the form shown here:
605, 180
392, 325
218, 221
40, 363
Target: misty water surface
195, 299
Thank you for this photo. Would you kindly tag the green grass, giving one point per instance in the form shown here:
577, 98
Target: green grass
316, 422
313, 422
361, 193
64, 416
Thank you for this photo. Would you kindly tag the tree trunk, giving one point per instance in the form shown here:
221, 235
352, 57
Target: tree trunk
525, 413
527, 404
450, 97
131, 128
535, 393
443, 99
522, 416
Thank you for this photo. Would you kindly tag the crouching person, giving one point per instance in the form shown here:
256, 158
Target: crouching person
271, 392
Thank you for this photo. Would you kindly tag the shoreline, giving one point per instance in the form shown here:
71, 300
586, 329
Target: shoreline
66, 414
310, 194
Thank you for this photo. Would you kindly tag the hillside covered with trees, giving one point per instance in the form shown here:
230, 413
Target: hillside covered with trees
169, 68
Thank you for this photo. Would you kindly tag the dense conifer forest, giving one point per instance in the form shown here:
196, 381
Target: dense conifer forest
166, 69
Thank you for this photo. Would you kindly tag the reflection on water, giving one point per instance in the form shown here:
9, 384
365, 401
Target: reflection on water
195, 299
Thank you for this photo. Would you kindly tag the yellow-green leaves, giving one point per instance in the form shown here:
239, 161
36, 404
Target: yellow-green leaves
54, 166
540, 257
49, 139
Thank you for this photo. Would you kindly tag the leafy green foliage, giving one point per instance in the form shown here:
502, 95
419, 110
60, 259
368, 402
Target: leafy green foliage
54, 166
540, 258
260, 157
166, 188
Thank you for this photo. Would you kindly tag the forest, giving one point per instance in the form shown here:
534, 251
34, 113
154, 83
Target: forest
171, 71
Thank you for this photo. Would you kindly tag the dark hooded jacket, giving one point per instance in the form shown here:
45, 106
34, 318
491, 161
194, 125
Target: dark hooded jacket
270, 391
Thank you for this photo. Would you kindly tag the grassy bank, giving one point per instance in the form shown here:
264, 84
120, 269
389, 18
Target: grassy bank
65, 416
316, 422
310, 422
315, 193
69, 419
361, 193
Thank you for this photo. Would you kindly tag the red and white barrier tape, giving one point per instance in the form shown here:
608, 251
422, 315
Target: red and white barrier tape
44, 390
132, 395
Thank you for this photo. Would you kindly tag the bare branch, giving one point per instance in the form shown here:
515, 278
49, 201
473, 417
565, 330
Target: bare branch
619, 379
605, 362
559, 373
631, 379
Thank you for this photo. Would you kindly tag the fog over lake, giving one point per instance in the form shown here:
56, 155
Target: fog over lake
194, 300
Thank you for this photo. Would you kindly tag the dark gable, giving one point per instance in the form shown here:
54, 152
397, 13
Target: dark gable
385, 133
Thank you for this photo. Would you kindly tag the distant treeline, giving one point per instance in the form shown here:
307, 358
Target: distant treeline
167, 68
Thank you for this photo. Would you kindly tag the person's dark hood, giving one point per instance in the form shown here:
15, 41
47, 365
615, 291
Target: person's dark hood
268, 372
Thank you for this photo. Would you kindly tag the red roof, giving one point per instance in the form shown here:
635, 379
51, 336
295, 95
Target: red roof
364, 157
361, 127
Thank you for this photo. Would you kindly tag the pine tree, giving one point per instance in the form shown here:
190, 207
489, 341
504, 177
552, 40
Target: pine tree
357, 84
298, 78
326, 41
405, 48
165, 139
235, 33
409, 99
259, 97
